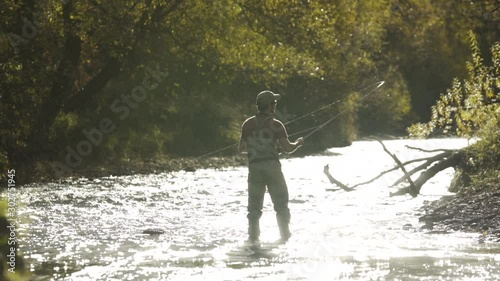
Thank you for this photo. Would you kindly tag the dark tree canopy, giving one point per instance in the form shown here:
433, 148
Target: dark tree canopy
159, 78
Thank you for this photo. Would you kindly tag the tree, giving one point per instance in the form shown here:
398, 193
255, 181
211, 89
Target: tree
425, 38
66, 62
469, 108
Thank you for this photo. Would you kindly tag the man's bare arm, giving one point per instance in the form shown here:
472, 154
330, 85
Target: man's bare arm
291, 147
243, 147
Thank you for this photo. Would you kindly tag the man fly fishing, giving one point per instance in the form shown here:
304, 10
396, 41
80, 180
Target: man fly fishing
260, 136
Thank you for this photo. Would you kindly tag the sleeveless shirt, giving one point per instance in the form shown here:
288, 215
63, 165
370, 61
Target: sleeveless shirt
261, 133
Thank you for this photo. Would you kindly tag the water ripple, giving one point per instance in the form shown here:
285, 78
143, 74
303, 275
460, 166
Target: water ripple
93, 229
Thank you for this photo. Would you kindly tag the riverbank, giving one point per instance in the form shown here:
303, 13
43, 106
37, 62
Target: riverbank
475, 211
476, 205
149, 166
156, 166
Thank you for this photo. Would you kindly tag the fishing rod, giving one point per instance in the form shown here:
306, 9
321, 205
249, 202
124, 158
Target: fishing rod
315, 128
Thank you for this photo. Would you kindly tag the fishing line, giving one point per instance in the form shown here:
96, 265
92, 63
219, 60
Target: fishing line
315, 128
379, 84
333, 103
218, 150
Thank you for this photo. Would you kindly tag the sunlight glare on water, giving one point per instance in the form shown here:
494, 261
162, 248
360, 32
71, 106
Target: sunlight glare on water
93, 229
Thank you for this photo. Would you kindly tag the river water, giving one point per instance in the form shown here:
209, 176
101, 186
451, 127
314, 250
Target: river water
92, 229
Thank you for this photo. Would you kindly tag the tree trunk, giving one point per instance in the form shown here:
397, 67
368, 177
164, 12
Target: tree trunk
63, 82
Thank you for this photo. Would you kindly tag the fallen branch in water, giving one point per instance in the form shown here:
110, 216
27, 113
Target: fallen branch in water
326, 170
433, 158
427, 163
448, 158
430, 151
412, 189
448, 162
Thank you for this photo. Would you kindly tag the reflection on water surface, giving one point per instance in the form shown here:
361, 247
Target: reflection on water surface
93, 229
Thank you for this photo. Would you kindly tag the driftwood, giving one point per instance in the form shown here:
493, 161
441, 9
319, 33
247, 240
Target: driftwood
447, 158
326, 170
427, 163
412, 189
427, 150
451, 161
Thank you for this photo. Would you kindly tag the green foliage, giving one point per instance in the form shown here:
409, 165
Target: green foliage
483, 155
428, 41
202, 125
482, 162
20, 272
469, 108
65, 125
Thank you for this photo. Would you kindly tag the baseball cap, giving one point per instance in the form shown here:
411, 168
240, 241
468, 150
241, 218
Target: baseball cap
267, 97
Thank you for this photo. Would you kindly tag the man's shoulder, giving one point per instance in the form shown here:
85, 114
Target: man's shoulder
278, 123
278, 128
248, 120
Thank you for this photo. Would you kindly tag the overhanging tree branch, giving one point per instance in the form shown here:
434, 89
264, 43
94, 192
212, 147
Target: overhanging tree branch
93, 87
